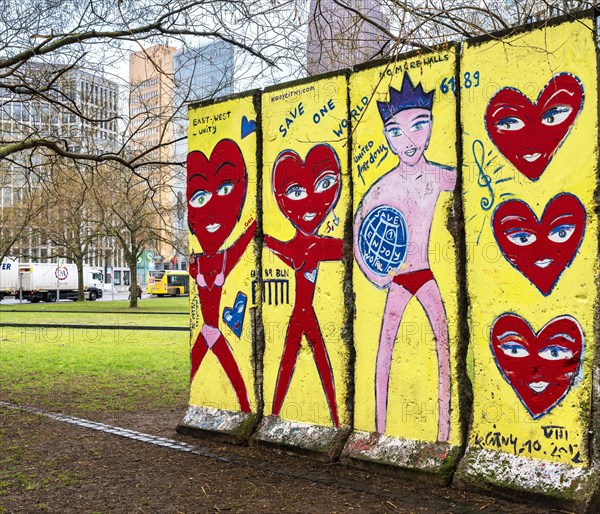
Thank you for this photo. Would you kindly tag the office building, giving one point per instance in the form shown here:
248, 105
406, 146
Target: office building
151, 92
25, 114
339, 38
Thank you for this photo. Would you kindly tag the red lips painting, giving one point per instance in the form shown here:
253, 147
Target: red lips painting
540, 249
542, 367
528, 134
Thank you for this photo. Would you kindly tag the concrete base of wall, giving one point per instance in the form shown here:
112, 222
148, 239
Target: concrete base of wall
323, 443
220, 425
413, 459
549, 483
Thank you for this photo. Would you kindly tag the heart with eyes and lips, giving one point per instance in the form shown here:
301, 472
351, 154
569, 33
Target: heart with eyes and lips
528, 134
216, 190
542, 367
307, 191
540, 250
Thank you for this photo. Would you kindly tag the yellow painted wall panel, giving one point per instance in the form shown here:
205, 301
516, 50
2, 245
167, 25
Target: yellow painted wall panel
404, 173
222, 206
530, 142
305, 198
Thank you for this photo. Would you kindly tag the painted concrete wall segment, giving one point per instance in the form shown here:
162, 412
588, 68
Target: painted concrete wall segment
305, 199
222, 217
530, 138
404, 174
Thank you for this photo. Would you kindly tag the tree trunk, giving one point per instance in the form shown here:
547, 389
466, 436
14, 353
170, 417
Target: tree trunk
133, 298
80, 284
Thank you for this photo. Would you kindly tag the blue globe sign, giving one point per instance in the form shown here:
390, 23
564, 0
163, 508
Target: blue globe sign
382, 239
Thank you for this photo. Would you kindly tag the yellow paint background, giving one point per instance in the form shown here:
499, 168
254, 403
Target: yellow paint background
211, 387
413, 387
305, 400
528, 62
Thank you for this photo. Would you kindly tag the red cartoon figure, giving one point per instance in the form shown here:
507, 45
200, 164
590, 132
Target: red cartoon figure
542, 367
216, 190
306, 192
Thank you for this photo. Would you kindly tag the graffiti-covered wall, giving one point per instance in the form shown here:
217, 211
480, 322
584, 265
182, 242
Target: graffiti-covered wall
221, 198
397, 266
306, 195
530, 137
404, 173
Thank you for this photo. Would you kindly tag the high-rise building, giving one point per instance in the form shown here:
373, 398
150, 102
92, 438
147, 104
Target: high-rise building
151, 92
80, 110
151, 99
339, 38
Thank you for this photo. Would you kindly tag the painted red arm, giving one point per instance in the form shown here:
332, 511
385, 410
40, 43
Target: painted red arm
236, 250
279, 249
330, 249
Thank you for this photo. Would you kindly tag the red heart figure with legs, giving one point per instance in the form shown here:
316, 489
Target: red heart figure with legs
306, 192
216, 190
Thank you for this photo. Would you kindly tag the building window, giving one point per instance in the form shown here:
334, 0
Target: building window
117, 278
126, 278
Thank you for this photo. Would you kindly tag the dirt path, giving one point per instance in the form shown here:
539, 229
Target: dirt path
50, 466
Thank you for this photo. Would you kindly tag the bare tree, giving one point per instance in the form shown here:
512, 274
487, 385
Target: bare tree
96, 35
70, 214
131, 213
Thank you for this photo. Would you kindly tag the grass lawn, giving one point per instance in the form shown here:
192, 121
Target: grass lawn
100, 313
93, 369
167, 304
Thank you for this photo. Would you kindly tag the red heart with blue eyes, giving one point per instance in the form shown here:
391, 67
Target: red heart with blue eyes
540, 250
306, 191
216, 190
528, 134
542, 367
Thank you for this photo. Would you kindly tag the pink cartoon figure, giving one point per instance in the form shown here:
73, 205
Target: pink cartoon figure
306, 192
216, 190
392, 226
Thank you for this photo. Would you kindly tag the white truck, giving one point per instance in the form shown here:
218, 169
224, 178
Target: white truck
8, 277
44, 282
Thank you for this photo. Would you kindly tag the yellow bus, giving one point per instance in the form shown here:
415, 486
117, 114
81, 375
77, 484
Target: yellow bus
168, 282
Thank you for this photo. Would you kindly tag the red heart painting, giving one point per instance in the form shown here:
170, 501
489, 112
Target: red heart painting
542, 367
528, 134
216, 189
543, 249
307, 191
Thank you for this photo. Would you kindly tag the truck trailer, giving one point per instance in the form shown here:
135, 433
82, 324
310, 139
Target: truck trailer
46, 282
8, 277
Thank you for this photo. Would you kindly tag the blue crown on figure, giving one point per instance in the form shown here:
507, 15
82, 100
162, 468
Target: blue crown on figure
409, 97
